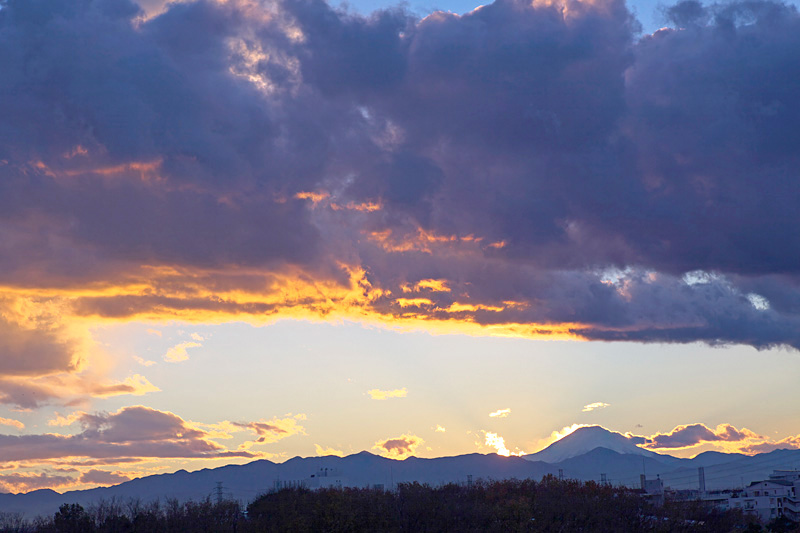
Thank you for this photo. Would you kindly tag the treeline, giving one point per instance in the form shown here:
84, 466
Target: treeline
501, 506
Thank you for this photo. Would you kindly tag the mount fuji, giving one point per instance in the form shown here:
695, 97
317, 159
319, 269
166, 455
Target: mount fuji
585, 439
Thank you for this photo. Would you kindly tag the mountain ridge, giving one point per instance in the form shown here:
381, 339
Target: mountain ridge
245, 482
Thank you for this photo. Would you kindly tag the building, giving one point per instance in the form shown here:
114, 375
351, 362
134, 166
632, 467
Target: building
653, 489
326, 478
791, 503
771, 498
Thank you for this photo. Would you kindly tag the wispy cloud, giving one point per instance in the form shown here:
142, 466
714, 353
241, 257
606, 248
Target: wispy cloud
179, 353
63, 421
142, 361
272, 430
11, 422
500, 413
378, 394
594, 406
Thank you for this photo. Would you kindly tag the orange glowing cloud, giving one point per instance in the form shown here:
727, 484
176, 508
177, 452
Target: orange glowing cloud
322, 451
314, 197
497, 442
11, 422
51, 357
433, 285
399, 447
272, 430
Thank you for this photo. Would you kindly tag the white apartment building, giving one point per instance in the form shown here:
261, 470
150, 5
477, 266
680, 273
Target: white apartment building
771, 498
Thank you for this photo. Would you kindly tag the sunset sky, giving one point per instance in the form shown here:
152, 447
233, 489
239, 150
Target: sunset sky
244, 229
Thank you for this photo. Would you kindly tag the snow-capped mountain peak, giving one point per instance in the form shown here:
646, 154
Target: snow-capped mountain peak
586, 439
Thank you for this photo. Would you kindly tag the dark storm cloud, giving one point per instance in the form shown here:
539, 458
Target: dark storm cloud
545, 160
85, 93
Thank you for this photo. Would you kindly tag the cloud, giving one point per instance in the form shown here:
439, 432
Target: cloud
499, 443
399, 447
558, 435
595, 405
136, 385
377, 394
23, 482
695, 434
440, 429
32, 341
790, 443
131, 432
68, 388
103, 477
62, 421
500, 413
273, 430
143, 362
566, 204
178, 353
724, 437
319, 450
12, 422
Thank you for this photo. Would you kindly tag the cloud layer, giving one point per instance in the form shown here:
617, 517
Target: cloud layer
131, 432
535, 169
134, 435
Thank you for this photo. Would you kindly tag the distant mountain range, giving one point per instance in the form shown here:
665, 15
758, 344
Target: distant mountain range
585, 454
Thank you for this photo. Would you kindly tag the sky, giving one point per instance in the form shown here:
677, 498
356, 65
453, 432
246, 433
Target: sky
239, 229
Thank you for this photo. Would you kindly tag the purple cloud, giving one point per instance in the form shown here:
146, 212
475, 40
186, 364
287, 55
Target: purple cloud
694, 434
103, 477
552, 167
131, 432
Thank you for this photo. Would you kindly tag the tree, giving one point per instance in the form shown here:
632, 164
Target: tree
72, 518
